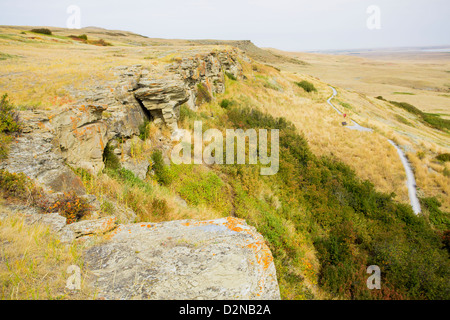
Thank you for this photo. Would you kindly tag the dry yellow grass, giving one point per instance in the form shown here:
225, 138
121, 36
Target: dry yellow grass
33, 263
422, 79
46, 71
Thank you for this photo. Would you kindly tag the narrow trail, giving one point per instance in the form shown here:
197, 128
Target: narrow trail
410, 180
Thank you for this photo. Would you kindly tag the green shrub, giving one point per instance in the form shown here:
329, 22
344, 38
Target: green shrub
9, 124
204, 189
438, 218
346, 105
187, 114
110, 158
19, 186
161, 173
82, 38
42, 31
436, 122
14, 184
129, 178
107, 207
100, 42
143, 130
9, 118
160, 207
230, 76
225, 103
444, 157
408, 107
306, 85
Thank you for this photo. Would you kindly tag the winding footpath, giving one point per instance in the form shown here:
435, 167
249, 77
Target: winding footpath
410, 180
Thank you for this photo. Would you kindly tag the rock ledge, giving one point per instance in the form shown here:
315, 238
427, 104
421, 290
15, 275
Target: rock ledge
187, 259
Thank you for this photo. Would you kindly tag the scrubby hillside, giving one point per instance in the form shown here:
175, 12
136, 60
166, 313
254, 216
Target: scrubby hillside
109, 116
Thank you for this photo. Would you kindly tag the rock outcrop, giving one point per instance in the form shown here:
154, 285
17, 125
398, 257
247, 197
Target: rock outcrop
216, 259
82, 135
36, 153
78, 134
67, 233
179, 82
189, 259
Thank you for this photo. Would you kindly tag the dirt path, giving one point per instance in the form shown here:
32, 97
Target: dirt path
410, 180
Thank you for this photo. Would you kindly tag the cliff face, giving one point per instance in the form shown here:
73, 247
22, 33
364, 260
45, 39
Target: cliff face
78, 134
217, 259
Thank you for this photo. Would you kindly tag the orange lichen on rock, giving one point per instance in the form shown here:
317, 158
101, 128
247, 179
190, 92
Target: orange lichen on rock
262, 252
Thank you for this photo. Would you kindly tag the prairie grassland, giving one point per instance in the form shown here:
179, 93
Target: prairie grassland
358, 82
33, 263
421, 79
47, 72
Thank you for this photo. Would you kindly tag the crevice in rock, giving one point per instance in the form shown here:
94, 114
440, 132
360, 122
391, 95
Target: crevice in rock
146, 112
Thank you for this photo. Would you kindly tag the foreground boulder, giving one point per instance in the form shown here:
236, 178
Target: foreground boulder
188, 259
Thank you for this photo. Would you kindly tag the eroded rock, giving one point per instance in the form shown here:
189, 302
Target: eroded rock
82, 136
215, 259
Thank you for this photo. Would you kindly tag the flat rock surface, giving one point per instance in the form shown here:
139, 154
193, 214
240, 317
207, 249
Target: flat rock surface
186, 259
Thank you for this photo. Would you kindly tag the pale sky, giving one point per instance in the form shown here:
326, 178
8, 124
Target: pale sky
284, 24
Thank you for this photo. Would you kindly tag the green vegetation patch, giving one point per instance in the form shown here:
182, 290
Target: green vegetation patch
405, 93
230, 76
306, 85
429, 118
444, 157
10, 124
42, 31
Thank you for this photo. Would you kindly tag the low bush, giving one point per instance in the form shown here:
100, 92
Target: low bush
42, 31
161, 173
100, 42
230, 76
436, 122
351, 224
9, 117
71, 206
110, 158
408, 107
225, 103
9, 124
444, 157
306, 85
438, 218
18, 185
143, 130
